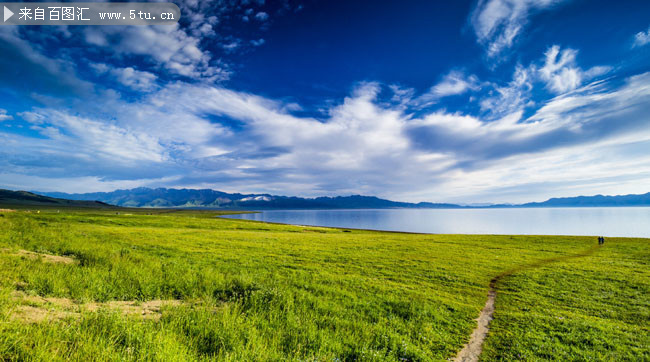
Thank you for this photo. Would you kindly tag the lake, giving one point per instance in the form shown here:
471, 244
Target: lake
604, 221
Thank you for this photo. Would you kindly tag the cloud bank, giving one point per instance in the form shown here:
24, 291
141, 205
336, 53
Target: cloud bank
152, 107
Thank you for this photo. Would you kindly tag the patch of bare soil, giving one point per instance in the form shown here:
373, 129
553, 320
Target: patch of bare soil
7, 210
48, 258
36, 309
149, 309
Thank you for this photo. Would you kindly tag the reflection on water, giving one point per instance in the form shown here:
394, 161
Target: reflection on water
605, 221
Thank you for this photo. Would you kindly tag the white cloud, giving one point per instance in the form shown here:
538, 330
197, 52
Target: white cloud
592, 140
454, 83
32, 117
559, 74
100, 68
513, 97
197, 134
187, 49
200, 135
231, 46
360, 141
262, 16
586, 169
562, 74
206, 30
4, 116
401, 95
257, 42
497, 23
95, 138
169, 46
593, 104
596, 71
135, 79
641, 38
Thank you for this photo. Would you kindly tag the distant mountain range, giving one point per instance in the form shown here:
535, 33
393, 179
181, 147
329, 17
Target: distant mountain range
594, 201
24, 198
191, 198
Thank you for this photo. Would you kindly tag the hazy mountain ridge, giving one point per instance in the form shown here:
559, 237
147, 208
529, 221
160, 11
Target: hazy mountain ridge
24, 198
207, 198
591, 201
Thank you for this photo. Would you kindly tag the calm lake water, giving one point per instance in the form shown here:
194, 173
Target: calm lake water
605, 221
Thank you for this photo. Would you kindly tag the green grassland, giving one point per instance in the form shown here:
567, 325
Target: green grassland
264, 292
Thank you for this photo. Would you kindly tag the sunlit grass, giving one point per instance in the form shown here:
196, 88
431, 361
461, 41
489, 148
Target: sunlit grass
255, 291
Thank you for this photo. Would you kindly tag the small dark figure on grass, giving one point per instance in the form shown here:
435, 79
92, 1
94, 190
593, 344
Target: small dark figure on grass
601, 240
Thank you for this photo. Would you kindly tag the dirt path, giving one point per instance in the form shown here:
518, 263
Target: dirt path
472, 350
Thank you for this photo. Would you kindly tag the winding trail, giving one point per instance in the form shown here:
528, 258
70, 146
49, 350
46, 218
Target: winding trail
472, 350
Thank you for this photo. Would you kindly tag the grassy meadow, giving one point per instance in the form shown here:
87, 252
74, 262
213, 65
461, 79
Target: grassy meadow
234, 290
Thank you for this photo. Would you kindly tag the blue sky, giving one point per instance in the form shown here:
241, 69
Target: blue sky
448, 101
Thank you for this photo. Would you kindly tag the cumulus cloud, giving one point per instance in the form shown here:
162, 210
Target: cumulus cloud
4, 116
262, 16
135, 79
129, 77
641, 38
497, 23
169, 46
